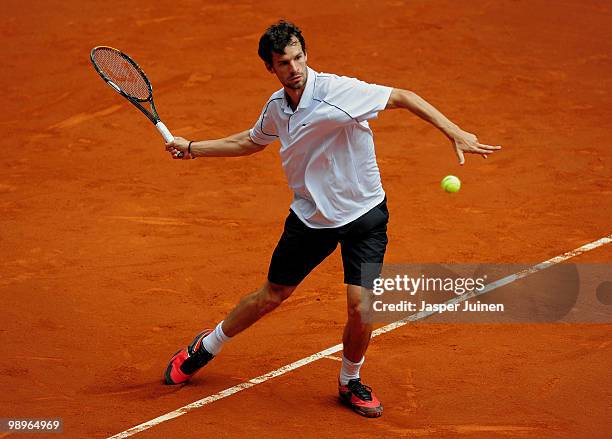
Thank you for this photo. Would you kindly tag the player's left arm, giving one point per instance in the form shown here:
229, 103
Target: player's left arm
463, 142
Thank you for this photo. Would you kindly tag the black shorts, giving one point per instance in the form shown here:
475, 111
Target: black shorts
301, 248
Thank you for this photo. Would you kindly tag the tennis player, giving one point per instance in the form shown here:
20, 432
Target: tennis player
327, 153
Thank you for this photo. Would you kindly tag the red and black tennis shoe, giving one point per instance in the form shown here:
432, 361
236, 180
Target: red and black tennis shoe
186, 362
360, 398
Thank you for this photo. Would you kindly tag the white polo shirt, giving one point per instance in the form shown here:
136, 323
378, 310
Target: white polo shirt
327, 147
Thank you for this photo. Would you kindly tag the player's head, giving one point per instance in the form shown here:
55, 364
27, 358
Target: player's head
283, 49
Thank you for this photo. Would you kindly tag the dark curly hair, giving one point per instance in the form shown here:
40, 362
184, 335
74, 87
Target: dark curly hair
276, 38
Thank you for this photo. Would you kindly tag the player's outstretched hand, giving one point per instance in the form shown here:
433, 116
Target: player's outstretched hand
465, 142
178, 148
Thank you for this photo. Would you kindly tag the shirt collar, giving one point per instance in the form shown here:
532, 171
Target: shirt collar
307, 95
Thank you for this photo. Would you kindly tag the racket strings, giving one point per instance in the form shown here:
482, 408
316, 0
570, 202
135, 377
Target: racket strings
121, 72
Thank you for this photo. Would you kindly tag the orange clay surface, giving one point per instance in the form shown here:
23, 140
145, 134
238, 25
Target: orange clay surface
113, 255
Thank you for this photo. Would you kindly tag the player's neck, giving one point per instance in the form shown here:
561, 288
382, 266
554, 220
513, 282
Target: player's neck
293, 97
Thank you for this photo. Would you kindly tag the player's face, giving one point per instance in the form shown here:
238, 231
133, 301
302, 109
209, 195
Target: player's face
290, 68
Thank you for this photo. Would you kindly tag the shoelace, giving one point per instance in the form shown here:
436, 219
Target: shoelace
196, 360
362, 391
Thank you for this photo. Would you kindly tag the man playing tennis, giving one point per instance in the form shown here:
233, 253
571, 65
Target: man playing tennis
327, 153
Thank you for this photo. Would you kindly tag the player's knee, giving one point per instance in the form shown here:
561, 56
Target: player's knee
355, 310
358, 303
272, 295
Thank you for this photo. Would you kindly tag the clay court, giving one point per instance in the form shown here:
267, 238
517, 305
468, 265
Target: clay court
113, 255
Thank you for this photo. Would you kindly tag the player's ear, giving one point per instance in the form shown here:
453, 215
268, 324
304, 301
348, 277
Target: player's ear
269, 68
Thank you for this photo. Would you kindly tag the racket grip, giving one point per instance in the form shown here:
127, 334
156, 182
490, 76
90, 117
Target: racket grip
164, 131
167, 136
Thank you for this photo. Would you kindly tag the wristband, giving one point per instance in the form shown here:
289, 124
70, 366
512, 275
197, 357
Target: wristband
189, 148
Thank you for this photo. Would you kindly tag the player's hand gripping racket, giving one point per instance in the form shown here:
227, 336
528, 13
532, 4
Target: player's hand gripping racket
125, 76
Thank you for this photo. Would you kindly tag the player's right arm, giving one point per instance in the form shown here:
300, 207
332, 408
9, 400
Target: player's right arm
232, 146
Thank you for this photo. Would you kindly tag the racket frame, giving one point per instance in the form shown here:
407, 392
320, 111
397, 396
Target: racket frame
152, 114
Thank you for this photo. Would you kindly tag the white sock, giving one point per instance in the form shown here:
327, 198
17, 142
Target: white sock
213, 342
349, 370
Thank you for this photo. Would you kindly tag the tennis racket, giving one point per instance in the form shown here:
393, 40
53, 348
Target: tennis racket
127, 78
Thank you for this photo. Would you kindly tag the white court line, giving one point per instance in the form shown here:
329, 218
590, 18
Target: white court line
337, 348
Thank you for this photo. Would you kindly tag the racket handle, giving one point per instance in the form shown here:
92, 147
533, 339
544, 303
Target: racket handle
164, 131
167, 136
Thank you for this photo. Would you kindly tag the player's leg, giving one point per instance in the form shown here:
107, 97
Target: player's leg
299, 250
254, 306
357, 332
208, 343
364, 241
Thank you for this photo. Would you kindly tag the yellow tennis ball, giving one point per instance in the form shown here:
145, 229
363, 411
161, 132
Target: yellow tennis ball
450, 183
